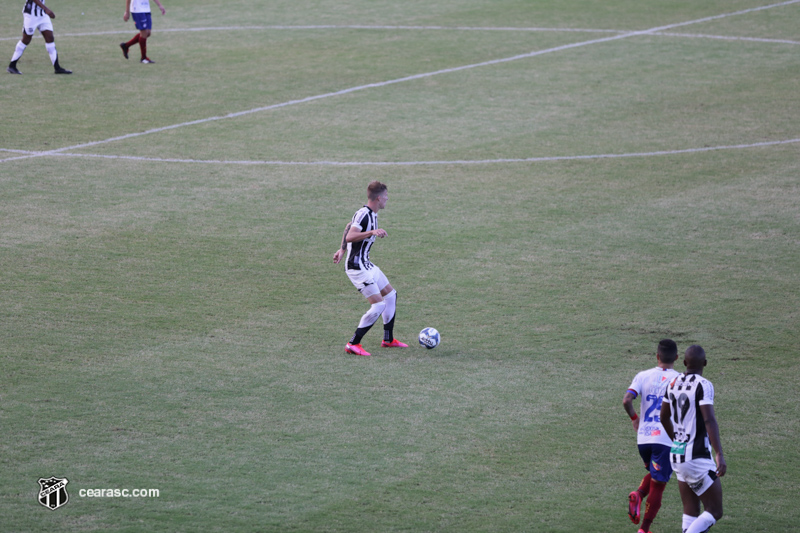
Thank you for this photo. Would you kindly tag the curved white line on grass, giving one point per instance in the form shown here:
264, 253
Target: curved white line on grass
543, 159
342, 27
650, 31
421, 76
325, 95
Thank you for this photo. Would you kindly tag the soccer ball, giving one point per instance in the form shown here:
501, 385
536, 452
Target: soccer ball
429, 338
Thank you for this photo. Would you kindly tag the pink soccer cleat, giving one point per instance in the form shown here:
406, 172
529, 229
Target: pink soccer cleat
394, 344
356, 349
634, 506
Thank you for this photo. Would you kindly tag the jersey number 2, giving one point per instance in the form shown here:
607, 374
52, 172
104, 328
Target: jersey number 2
655, 406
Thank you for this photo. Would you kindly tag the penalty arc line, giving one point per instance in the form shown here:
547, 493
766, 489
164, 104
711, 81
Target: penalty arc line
402, 80
542, 159
313, 27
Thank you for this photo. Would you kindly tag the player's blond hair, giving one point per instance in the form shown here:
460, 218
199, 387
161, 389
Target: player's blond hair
375, 189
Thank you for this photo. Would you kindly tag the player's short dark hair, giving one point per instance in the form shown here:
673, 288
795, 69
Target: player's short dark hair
375, 189
667, 351
695, 354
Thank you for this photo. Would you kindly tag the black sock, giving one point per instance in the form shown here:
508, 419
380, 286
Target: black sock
388, 331
359, 334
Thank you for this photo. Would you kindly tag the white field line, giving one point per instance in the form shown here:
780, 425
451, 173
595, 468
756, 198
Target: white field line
422, 28
421, 163
728, 38
626, 35
339, 27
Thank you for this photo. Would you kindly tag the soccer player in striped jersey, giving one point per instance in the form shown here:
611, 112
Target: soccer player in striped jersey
359, 235
140, 10
36, 16
653, 442
687, 413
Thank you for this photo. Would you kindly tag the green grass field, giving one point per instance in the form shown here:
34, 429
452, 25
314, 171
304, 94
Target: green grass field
570, 181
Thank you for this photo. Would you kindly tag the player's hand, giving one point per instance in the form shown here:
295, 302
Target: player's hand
126, 16
163, 11
338, 256
49, 13
636, 424
722, 466
381, 233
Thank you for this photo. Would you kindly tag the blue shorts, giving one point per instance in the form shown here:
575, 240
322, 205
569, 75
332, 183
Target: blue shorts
143, 21
656, 460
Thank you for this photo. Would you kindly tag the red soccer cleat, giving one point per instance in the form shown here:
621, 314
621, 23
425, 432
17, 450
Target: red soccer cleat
394, 344
634, 506
356, 349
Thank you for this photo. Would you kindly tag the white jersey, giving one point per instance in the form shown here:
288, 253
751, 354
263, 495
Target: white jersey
365, 219
685, 395
140, 6
651, 385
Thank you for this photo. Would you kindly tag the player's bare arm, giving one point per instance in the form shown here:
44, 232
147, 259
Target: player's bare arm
355, 235
627, 404
712, 428
127, 14
337, 256
344, 235
161, 7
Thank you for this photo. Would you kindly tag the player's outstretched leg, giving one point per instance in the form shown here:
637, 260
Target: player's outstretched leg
18, 51
369, 318
635, 499
127, 45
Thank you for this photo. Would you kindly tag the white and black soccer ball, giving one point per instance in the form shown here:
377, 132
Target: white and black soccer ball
429, 338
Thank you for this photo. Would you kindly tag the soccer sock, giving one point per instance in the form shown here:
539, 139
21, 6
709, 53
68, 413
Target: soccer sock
644, 486
51, 50
369, 318
653, 503
388, 316
143, 47
702, 524
133, 41
686, 522
18, 51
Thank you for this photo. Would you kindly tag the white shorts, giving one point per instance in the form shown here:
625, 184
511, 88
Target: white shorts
368, 282
699, 474
31, 23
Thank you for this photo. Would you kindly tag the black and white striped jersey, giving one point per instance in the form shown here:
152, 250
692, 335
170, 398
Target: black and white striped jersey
32, 8
365, 219
685, 394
